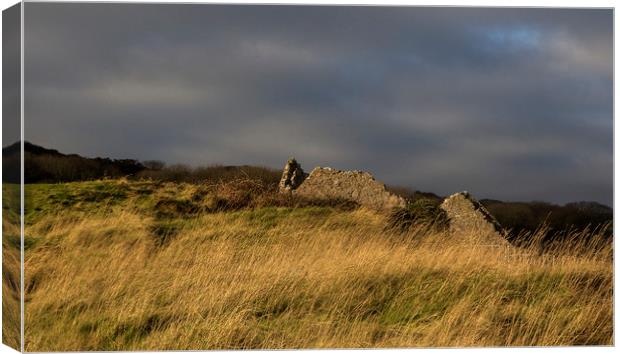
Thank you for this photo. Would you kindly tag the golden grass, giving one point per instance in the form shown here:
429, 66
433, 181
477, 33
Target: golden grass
11, 264
298, 278
101, 283
11, 311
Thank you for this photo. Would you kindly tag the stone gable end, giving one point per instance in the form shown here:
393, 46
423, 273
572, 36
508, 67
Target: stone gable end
470, 219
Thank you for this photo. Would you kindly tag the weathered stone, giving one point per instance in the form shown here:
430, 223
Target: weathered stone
358, 186
292, 176
470, 219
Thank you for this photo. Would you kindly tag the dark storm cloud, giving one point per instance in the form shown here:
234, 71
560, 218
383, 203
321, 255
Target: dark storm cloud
506, 103
11, 62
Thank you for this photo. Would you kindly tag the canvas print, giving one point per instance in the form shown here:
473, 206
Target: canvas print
203, 177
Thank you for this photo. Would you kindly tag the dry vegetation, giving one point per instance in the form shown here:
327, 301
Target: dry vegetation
117, 265
11, 266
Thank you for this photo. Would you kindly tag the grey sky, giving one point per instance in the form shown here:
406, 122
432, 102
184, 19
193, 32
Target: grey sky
511, 104
11, 74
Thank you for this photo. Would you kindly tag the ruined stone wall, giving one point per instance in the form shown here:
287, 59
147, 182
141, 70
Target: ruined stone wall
357, 186
470, 219
292, 176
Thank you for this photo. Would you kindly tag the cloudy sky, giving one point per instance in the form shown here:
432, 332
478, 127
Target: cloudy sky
512, 104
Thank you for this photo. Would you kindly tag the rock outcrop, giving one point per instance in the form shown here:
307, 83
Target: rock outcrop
470, 219
292, 176
358, 186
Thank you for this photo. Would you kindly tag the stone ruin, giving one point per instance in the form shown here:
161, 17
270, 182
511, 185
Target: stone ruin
292, 176
468, 217
471, 220
324, 182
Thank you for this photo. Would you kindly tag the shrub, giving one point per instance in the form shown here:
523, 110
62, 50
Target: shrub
424, 213
411, 195
211, 174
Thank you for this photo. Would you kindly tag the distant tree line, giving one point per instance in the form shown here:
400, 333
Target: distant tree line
528, 216
49, 168
523, 217
43, 165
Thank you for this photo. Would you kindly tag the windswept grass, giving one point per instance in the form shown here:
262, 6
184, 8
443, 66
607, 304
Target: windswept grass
11, 284
111, 273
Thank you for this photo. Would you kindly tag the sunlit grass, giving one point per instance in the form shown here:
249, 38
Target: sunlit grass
108, 272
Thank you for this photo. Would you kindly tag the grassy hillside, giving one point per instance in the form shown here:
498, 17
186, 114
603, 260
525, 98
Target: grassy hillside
118, 265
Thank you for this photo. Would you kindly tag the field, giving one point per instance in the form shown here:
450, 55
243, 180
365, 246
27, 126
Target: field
128, 265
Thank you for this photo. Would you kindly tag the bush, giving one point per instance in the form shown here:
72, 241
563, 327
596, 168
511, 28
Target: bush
211, 174
424, 213
411, 195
